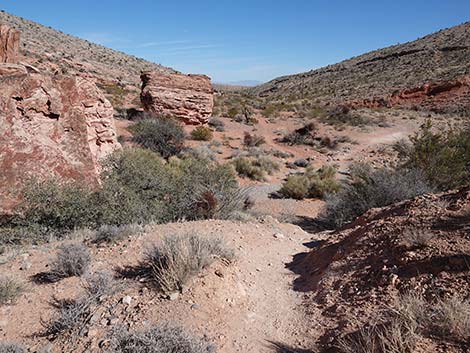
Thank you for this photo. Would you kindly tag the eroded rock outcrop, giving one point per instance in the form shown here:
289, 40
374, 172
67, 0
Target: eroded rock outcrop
190, 98
438, 96
51, 126
9, 44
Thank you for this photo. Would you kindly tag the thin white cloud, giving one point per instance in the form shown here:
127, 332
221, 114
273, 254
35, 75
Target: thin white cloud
158, 44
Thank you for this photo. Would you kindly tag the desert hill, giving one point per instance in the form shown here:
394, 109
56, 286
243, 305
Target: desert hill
47, 48
438, 57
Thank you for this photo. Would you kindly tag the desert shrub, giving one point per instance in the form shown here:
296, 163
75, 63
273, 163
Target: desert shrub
233, 112
443, 157
203, 152
202, 133
72, 260
302, 136
11, 348
311, 184
164, 136
343, 115
138, 187
255, 168
10, 289
54, 205
112, 233
178, 258
158, 339
369, 189
252, 140
72, 315
217, 124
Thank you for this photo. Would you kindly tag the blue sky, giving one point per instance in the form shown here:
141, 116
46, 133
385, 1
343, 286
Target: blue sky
244, 39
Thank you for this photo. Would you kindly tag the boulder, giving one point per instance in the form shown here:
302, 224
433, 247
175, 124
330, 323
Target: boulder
9, 44
51, 126
190, 98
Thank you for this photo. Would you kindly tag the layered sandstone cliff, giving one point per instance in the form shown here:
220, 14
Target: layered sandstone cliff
190, 98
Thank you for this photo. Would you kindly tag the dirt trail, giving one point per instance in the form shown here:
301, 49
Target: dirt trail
241, 307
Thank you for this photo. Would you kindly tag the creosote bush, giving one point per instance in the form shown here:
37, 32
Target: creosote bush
10, 289
163, 338
178, 258
255, 168
202, 133
162, 135
370, 189
443, 157
311, 184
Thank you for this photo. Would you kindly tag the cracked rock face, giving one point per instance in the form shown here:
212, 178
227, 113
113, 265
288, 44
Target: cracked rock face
189, 98
51, 126
9, 44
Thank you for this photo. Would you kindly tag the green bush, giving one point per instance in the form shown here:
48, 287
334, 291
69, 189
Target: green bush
311, 184
202, 133
443, 157
164, 136
255, 168
138, 186
370, 189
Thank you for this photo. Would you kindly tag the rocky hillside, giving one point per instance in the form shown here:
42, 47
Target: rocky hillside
439, 57
51, 50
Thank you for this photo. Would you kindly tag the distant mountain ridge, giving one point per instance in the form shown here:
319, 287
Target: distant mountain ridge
441, 56
49, 49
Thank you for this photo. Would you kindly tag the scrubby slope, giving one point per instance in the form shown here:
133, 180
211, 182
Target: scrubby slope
420, 246
441, 56
48, 48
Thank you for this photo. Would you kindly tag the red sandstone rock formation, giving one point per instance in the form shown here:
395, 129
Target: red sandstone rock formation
439, 96
190, 98
51, 126
9, 44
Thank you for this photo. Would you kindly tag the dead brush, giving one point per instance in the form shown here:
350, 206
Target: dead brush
417, 238
73, 315
451, 317
178, 258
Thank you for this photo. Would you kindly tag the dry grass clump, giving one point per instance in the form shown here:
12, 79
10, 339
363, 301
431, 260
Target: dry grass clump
11, 348
253, 140
72, 315
255, 168
112, 234
411, 317
159, 339
311, 184
417, 238
202, 133
10, 289
72, 260
178, 258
